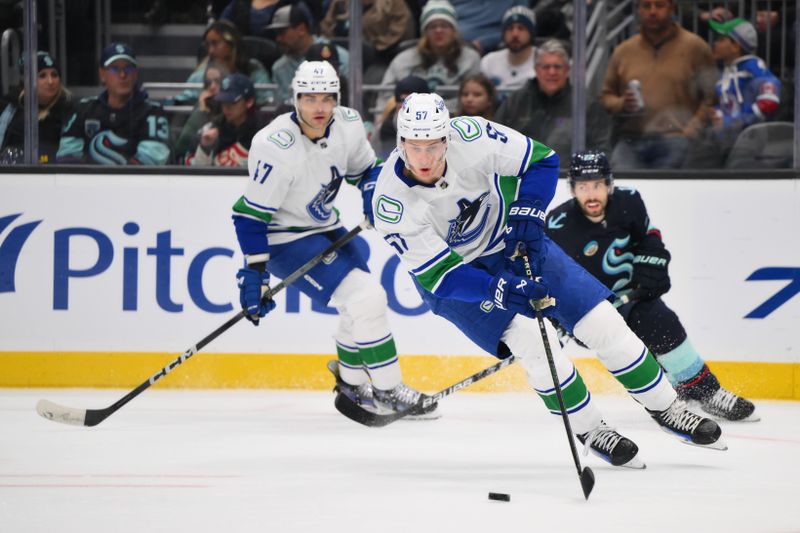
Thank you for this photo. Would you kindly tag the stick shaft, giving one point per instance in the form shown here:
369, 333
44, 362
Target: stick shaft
95, 416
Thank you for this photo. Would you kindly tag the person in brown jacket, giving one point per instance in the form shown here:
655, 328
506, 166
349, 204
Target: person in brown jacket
658, 87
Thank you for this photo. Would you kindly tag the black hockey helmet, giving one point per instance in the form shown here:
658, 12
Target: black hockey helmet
590, 165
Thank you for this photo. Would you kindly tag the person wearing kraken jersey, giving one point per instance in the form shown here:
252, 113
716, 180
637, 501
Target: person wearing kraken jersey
607, 230
286, 217
121, 126
459, 201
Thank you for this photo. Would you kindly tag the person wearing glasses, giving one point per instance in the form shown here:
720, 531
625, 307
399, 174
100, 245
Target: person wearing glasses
121, 126
542, 108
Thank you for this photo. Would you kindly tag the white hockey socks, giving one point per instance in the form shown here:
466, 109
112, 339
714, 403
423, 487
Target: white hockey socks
525, 341
364, 337
604, 330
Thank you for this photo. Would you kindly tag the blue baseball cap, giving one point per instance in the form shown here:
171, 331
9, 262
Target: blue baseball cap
234, 88
115, 51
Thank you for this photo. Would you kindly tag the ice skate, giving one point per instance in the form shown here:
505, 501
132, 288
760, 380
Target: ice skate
403, 398
717, 401
610, 446
689, 427
725, 405
362, 395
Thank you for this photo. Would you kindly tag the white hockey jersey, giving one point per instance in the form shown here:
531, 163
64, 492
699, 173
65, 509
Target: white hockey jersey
436, 228
294, 180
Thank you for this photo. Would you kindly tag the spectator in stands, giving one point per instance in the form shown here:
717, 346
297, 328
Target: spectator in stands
206, 108
251, 16
542, 109
477, 97
294, 32
225, 141
385, 23
223, 43
120, 126
747, 92
675, 73
440, 58
480, 23
386, 126
552, 19
55, 107
510, 67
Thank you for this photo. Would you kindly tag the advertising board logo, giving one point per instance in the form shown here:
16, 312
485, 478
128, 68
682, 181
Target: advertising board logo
792, 275
10, 248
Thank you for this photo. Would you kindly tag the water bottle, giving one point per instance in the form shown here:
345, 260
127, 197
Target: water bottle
636, 87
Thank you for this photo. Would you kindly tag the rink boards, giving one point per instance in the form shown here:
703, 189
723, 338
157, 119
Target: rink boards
103, 279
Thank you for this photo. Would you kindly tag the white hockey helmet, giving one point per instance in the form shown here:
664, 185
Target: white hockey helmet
315, 77
423, 116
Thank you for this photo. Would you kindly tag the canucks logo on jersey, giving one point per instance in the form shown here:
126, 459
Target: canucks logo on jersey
463, 229
320, 207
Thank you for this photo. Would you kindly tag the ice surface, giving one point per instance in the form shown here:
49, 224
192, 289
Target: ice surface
272, 461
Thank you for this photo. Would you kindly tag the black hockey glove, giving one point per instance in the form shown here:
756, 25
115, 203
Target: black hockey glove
650, 274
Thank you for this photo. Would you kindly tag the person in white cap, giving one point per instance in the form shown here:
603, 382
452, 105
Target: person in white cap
286, 216
441, 57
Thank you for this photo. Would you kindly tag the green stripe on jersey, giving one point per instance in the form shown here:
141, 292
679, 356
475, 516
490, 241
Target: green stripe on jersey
241, 207
509, 185
348, 357
540, 151
380, 353
430, 278
574, 394
642, 374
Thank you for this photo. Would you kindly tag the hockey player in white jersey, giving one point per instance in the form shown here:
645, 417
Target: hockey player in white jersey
459, 200
286, 217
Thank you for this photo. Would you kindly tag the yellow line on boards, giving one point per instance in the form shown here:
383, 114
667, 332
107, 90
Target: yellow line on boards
307, 371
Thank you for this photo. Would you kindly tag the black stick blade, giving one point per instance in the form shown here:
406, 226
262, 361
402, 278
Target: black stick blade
356, 413
587, 481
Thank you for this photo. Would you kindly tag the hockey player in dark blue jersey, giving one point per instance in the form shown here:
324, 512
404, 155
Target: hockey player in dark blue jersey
120, 126
608, 232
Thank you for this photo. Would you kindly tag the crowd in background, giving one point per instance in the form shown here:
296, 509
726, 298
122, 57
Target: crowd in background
670, 98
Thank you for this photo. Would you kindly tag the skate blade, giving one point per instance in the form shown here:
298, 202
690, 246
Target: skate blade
753, 417
635, 463
719, 444
435, 415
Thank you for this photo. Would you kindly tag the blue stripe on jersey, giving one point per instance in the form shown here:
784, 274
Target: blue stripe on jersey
259, 206
524, 165
430, 262
500, 213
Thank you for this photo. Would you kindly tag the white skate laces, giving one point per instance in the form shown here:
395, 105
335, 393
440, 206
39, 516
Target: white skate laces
603, 437
723, 400
679, 417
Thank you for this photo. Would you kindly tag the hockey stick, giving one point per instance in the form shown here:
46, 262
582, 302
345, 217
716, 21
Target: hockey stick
354, 412
585, 475
92, 417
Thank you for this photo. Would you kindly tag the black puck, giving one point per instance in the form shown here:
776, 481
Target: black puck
499, 496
